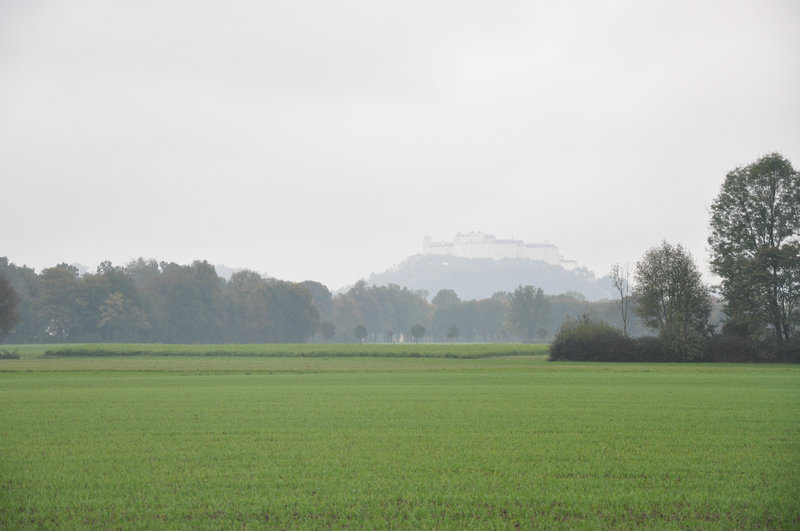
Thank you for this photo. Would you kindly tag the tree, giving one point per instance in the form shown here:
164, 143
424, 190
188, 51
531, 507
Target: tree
110, 308
247, 308
620, 277
147, 277
59, 301
417, 332
587, 340
25, 283
379, 308
321, 297
192, 300
361, 333
327, 329
672, 298
755, 246
121, 319
446, 297
447, 309
490, 318
452, 333
8, 306
528, 312
292, 316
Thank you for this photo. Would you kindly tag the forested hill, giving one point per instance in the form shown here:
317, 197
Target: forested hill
480, 278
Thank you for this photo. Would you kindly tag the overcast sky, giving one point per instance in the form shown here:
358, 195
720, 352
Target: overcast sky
322, 140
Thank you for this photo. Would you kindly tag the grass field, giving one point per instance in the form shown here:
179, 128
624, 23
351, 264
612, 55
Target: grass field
298, 442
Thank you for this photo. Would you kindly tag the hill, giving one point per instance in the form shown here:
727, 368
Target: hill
480, 278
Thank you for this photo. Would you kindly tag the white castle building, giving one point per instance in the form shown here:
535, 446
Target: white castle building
480, 245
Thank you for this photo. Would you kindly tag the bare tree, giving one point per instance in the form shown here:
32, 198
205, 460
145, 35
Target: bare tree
620, 276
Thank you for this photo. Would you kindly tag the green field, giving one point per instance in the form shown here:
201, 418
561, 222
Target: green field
422, 442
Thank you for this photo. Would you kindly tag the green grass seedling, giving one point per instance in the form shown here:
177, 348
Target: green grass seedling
393, 442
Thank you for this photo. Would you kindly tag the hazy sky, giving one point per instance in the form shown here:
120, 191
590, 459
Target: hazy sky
322, 140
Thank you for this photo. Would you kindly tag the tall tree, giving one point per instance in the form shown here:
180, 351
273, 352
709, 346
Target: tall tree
379, 308
755, 246
8, 306
321, 297
293, 317
671, 296
528, 313
327, 329
110, 308
247, 308
121, 319
60, 302
490, 316
25, 283
446, 297
447, 309
452, 333
620, 276
417, 332
191, 297
361, 333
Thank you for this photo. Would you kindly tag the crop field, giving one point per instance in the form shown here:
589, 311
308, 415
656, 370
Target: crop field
143, 441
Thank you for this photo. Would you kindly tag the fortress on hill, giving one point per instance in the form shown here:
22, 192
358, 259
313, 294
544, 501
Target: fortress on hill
480, 245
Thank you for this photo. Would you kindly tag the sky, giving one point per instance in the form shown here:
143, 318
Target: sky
309, 139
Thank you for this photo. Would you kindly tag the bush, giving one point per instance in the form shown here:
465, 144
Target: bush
732, 348
743, 349
684, 345
653, 349
790, 352
586, 340
8, 355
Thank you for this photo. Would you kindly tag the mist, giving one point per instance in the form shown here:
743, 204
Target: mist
307, 140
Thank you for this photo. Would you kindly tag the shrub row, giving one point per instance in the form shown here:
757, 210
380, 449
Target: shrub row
8, 355
406, 350
586, 340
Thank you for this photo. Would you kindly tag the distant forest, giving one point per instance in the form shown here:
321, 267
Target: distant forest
150, 301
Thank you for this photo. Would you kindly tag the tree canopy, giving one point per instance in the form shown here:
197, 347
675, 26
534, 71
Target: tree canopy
151, 302
8, 306
417, 332
671, 296
528, 313
755, 247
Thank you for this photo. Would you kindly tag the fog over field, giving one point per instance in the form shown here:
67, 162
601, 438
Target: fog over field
323, 140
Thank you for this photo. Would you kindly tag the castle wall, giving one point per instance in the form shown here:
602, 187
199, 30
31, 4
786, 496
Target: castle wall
479, 245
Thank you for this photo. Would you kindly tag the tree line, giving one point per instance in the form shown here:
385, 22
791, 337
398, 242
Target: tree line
150, 301
147, 301
755, 251
387, 313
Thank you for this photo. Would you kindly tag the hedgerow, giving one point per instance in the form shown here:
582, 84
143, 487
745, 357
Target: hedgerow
586, 340
407, 350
